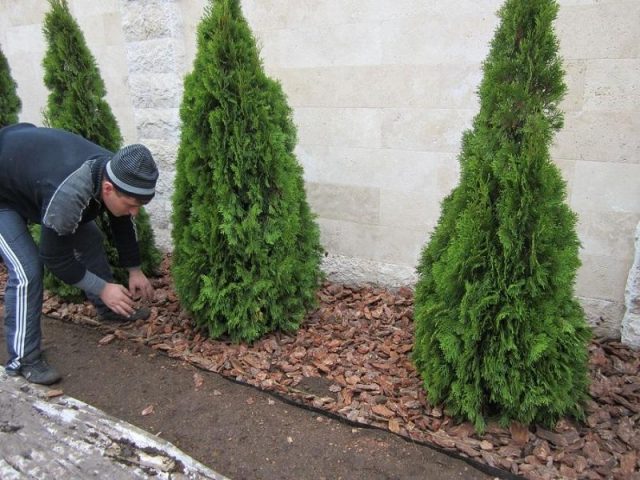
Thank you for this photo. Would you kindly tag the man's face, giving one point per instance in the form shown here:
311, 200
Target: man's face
118, 203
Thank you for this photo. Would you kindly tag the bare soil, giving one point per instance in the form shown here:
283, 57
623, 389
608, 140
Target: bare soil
237, 430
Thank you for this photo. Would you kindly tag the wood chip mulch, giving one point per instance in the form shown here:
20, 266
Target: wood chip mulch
351, 357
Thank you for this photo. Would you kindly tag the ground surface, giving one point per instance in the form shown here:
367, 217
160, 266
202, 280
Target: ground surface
351, 358
47, 435
237, 430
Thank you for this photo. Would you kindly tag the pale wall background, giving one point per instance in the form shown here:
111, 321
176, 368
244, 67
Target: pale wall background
382, 91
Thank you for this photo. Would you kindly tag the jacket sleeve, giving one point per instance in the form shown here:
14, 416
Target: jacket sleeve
126, 240
57, 254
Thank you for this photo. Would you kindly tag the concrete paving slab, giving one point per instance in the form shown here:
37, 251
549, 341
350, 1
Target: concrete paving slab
47, 437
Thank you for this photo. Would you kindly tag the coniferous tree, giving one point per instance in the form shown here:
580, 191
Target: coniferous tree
76, 103
10, 104
246, 247
498, 330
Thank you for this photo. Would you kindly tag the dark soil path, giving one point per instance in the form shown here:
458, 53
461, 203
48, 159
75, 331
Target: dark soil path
237, 430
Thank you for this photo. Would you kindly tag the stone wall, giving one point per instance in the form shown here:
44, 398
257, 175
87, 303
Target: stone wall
382, 92
154, 44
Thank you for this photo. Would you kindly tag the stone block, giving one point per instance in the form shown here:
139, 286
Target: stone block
400, 246
158, 123
164, 187
113, 29
390, 169
82, 8
603, 316
92, 28
4, 27
630, 330
160, 209
325, 87
359, 271
277, 15
112, 63
601, 30
23, 12
416, 210
437, 39
149, 19
631, 319
614, 84
345, 202
602, 277
352, 44
567, 169
425, 129
336, 238
24, 40
346, 127
446, 86
152, 56
191, 13
572, 3
575, 75
33, 94
162, 90
382, 86
126, 120
165, 152
607, 233
603, 187
599, 136
371, 242
160, 212
385, 10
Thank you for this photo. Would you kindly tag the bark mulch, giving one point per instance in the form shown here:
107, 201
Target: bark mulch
351, 358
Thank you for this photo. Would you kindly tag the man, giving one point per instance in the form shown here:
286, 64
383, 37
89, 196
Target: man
63, 182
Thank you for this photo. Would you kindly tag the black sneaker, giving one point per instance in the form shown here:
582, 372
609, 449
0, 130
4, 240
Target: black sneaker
140, 314
36, 370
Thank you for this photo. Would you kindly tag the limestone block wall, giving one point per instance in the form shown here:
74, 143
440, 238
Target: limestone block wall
381, 92
599, 147
154, 46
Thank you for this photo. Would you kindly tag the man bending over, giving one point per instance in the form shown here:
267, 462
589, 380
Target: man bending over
63, 182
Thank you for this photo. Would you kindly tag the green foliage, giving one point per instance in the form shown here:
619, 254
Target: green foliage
76, 103
76, 90
10, 104
498, 330
246, 247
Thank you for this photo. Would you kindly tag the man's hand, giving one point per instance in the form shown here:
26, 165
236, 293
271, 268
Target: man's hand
117, 298
139, 285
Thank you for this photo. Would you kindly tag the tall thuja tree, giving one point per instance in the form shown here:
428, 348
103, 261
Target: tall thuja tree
246, 247
498, 330
76, 103
10, 104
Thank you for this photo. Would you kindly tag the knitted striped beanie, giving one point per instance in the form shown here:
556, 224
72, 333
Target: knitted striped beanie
133, 171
